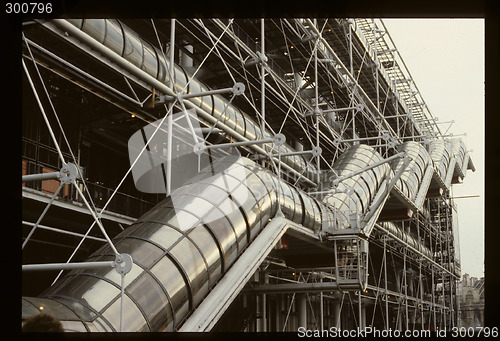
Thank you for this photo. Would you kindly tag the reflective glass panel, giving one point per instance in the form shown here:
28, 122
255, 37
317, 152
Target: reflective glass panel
153, 301
133, 320
169, 276
94, 292
141, 251
210, 250
114, 36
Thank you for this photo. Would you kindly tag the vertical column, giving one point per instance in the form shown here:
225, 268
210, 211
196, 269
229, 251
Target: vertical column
361, 312
384, 260
302, 309
263, 80
245, 309
168, 170
363, 316
337, 311
277, 315
321, 310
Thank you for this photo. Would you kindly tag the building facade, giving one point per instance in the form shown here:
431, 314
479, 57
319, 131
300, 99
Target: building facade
233, 175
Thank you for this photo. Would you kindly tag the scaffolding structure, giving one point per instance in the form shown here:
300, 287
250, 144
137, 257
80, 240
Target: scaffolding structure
301, 100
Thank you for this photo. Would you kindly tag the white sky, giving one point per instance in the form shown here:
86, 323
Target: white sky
446, 60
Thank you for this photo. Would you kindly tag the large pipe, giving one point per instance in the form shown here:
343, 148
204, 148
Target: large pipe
440, 155
355, 193
194, 236
186, 243
409, 182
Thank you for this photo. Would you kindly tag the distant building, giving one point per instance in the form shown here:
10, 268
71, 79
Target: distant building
471, 292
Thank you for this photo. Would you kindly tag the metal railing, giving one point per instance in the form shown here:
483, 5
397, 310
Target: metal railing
122, 203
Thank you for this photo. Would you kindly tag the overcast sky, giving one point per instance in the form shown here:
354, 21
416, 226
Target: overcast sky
446, 59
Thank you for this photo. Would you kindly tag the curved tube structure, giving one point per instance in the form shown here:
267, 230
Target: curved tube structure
439, 152
410, 180
180, 250
186, 243
354, 194
459, 151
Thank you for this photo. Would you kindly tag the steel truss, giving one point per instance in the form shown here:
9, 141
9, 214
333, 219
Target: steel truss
323, 85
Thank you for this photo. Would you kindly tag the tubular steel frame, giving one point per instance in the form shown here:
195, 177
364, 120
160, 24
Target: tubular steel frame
367, 95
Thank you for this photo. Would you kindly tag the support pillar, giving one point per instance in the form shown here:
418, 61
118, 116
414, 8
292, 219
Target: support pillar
302, 310
363, 316
336, 314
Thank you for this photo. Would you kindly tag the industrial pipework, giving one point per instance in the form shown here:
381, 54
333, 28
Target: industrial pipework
184, 245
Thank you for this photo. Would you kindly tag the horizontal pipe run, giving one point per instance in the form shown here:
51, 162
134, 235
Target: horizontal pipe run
381, 228
304, 287
69, 266
41, 176
81, 72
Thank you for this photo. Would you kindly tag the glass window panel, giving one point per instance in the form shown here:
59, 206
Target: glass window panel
114, 276
133, 47
250, 129
162, 72
93, 328
150, 64
183, 220
169, 276
207, 101
28, 308
208, 192
73, 326
210, 250
243, 197
133, 320
152, 299
188, 256
96, 28
158, 233
161, 215
193, 203
230, 116
91, 291
35, 305
102, 325
76, 22
104, 249
232, 213
180, 78
166, 236
151, 213
224, 233
141, 251
240, 123
225, 182
83, 313
114, 36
